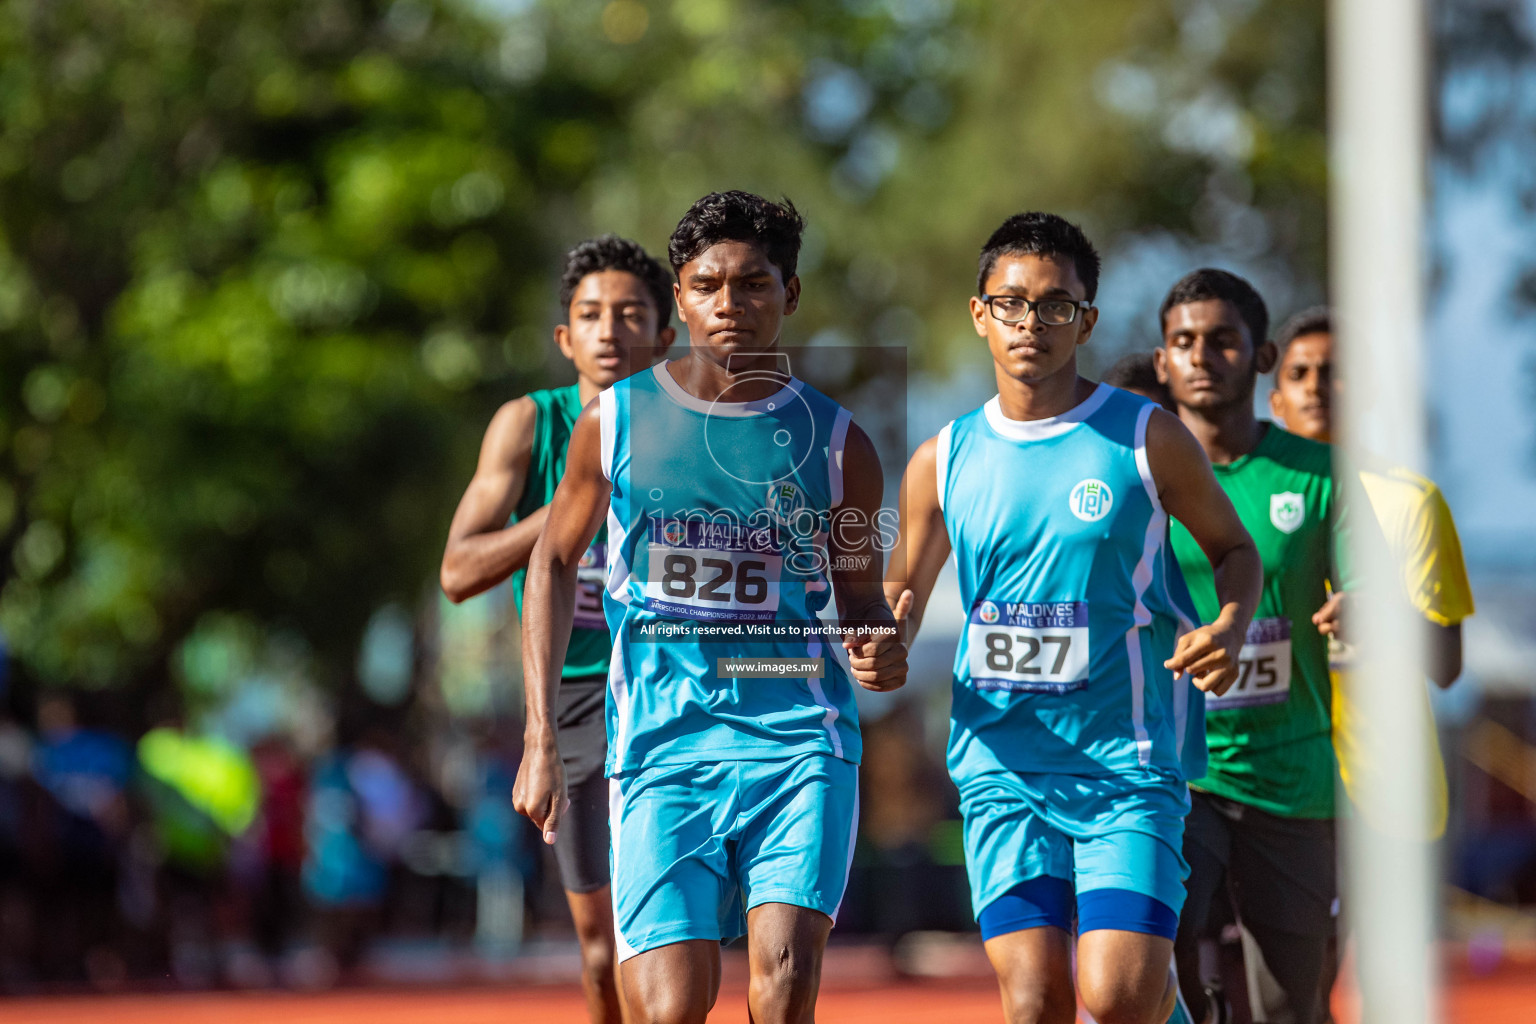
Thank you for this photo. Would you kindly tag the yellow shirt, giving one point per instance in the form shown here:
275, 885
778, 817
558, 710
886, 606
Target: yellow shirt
1422, 535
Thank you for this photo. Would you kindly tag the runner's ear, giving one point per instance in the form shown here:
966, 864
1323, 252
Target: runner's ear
664, 339
1264, 357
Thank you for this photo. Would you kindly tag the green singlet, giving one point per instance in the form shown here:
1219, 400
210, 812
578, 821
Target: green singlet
589, 648
1270, 735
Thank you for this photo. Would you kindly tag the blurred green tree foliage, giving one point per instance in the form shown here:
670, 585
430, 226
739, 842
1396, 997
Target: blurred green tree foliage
266, 267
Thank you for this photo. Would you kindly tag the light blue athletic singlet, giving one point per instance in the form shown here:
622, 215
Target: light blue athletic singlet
718, 517
1072, 599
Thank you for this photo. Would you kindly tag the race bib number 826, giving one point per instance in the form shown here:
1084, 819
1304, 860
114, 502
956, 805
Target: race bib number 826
723, 574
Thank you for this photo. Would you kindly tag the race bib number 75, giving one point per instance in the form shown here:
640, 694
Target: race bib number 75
1028, 646
1263, 670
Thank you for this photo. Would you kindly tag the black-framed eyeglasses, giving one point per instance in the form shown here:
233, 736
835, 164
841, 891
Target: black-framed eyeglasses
1011, 309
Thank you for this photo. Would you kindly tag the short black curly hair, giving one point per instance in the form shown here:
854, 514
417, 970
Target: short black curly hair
1040, 234
610, 252
1209, 283
1135, 371
739, 217
1316, 320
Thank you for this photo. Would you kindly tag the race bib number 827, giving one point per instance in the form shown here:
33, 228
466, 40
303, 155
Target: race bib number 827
1028, 646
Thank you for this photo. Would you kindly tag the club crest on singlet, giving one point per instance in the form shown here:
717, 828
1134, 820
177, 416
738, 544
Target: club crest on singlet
1091, 500
784, 500
1287, 510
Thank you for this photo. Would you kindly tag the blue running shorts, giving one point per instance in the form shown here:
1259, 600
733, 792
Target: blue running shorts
696, 846
1119, 835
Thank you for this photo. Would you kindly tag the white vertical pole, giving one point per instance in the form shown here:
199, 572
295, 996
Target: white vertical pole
1378, 114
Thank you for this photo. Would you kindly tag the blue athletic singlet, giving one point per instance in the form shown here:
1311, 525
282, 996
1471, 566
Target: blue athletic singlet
1072, 600
718, 518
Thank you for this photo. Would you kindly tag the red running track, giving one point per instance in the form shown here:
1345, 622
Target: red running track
897, 1005
1506, 998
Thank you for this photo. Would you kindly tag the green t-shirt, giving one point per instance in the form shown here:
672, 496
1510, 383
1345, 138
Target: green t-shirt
1270, 734
589, 649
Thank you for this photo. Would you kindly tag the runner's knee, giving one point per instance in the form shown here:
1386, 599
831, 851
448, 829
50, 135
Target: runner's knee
598, 960
595, 932
783, 972
1034, 973
663, 996
1124, 1004
669, 1005
1034, 999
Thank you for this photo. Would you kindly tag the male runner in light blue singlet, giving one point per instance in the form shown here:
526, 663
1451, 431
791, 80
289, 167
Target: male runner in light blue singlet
1072, 731
736, 498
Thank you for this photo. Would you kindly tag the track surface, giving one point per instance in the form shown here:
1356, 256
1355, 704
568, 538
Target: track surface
1508, 998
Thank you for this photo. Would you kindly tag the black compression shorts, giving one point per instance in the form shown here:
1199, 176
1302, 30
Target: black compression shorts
1282, 876
581, 851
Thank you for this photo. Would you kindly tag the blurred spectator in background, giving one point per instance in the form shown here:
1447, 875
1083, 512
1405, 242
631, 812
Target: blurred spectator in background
362, 807
907, 805
20, 804
503, 850
86, 772
201, 792
274, 880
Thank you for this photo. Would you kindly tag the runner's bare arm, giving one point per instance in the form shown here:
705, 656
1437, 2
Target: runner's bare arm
1188, 490
923, 542
878, 658
549, 606
482, 549
1444, 649
1436, 539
